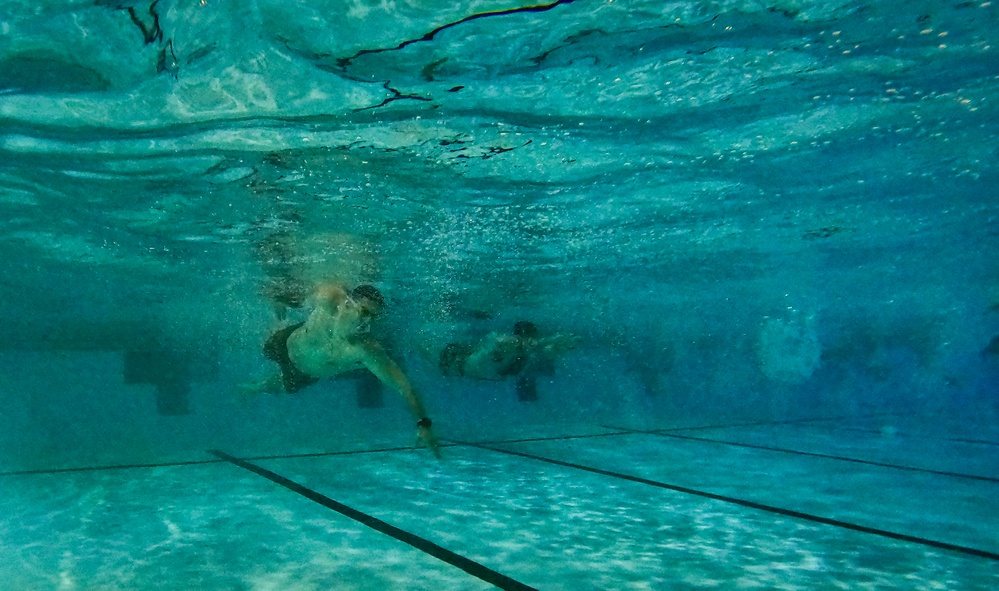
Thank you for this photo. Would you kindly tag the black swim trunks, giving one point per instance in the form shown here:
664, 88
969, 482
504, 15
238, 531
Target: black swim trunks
276, 349
510, 363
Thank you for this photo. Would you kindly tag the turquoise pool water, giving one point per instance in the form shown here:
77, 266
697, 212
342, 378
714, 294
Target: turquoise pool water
770, 228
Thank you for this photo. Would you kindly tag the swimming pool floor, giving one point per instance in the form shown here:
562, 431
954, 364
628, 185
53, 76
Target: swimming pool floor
825, 504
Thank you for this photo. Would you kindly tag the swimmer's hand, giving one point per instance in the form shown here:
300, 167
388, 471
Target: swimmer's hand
425, 437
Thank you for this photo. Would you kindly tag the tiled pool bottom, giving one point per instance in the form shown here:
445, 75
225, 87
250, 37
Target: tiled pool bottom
814, 505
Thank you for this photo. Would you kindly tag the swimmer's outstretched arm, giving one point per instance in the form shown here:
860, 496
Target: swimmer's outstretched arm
559, 343
388, 371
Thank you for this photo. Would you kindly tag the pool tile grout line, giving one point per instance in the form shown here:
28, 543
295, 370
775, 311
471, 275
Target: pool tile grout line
909, 436
666, 433
216, 461
787, 422
424, 545
319, 454
394, 449
750, 504
110, 467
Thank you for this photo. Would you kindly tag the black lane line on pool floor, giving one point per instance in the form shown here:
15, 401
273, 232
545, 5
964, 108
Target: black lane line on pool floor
750, 504
424, 545
667, 433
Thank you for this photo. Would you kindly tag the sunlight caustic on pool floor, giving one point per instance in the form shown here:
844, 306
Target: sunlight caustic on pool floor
540, 525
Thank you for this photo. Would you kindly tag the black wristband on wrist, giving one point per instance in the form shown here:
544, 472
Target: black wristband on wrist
424, 422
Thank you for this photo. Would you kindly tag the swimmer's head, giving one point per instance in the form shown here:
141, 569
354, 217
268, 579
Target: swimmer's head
452, 360
525, 329
369, 298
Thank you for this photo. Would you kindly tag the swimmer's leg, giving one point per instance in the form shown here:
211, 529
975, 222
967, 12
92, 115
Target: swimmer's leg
527, 388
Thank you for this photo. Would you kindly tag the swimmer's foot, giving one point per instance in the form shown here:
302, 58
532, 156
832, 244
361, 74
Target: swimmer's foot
251, 390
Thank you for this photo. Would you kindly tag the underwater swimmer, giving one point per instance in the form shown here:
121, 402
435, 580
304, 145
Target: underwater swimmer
523, 355
335, 340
